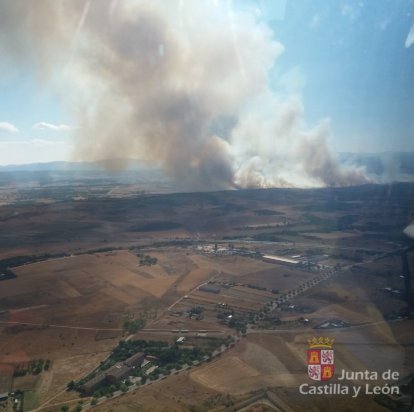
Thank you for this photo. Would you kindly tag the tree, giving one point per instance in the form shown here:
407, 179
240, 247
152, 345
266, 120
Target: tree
36, 370
46, 365
64, 408
71, 385
78, 408
133, 326
163, 371
97, 394
197, 310
94, 401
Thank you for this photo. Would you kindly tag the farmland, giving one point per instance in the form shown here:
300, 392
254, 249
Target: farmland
84, 274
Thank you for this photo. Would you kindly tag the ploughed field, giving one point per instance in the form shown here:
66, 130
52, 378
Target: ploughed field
190, 265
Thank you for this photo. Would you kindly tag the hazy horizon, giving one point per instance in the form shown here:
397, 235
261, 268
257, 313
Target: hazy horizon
247, 93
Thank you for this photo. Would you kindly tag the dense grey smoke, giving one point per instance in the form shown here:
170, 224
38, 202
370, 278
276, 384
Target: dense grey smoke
179, 84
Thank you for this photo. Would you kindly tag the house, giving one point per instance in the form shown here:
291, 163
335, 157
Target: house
88, 388
146, 363
117, 372
151, 369
113, 375
135, 360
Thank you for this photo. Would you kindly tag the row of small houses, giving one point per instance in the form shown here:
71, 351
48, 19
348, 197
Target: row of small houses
116, 373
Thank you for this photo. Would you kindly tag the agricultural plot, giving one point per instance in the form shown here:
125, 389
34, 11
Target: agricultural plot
249, 365
72, 309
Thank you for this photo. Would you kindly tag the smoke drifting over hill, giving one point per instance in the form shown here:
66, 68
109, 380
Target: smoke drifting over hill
181, 84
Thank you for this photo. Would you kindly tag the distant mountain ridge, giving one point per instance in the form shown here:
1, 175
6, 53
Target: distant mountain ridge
63, 166
386, 165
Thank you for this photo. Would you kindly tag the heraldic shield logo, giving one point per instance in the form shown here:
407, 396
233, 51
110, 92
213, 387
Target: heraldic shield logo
320, 359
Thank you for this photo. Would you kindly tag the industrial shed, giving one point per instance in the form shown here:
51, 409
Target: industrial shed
117, 372
208, 289
280, 260
114, 374
135, 360
88, 388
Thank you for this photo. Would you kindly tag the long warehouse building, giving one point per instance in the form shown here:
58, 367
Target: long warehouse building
280, 260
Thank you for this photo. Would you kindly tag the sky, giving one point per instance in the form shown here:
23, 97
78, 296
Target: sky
349, 63
356, 68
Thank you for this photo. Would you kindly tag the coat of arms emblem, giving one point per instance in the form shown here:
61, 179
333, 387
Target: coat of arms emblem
320, 359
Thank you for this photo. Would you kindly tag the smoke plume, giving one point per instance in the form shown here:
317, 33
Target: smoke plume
183, 85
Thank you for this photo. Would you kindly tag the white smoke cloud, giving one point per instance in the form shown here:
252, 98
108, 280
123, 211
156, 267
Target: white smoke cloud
284, 153
8, 127
183, 85
409, 230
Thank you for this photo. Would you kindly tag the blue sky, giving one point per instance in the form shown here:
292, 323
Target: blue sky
26, 105
356, 68
347, 59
